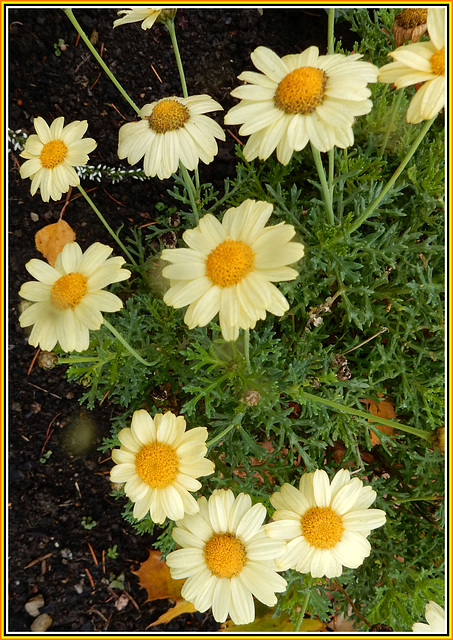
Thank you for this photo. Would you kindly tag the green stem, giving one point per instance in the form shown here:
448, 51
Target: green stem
131, 350
76, 359
361, 219
191, 191
331, 173
300, 619
170, 24
86, 40
324, 185
106, 224
393, 114
330, 31
237, 420
247, 349
426, 435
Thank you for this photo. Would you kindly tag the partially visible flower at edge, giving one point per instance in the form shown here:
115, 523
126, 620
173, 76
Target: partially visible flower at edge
326, 524
300, 98
410, 24
226, 557
229, 269
52, 153
172, 130
159, 462
148, 15
435, 617
421, 62
68, 298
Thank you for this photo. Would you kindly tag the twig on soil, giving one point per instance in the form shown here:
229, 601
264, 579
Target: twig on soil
110, 104
131, 599
40, 559
90, 578
49, 433
45, 390
112, 198
103, 561
157, 75
96, 81
93, 554
234, 137
33, 361
68, 195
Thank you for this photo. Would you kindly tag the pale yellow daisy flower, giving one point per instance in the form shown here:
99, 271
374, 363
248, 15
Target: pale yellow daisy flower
172, 130
226, 557
421, 62
147, 15
326, 524
68, 298
435, 617
52, 153
300, 98
159, 462
229, 269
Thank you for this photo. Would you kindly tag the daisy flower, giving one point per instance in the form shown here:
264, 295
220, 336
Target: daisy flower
435, 617
148, 15
226, 557
326, 524
300, 98
52, 153
172, 130
421, 62
410, 24
229, 269
68, 298
159, 461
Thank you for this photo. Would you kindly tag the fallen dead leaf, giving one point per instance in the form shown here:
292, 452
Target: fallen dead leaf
155, 577
270, 623
51, 239
383, 409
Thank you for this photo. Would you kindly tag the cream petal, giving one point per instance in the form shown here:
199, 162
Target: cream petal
347, 496
103, 301
295, 499
321, 488
242, 608
437, 25
428, 101
365, 519
42, 271
251, 522
284, 529
42, 130
126, 438
269, 63
324, 563
122, 472
93, 258
221, 599
35, 291
143, 428
203, 311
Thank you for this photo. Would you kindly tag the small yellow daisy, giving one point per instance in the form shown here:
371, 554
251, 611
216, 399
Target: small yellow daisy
229, 269
159, 462
68, 298
52, 153
326, 524
148, 15
226, 557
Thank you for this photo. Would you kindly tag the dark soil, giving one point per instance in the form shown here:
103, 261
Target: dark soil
58, 479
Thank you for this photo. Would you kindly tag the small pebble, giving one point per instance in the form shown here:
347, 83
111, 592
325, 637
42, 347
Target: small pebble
41, 623
34, 216
33, 606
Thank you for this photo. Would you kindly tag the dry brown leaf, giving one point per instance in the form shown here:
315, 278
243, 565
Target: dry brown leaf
383, 409
51, 239
154, 576
269, 623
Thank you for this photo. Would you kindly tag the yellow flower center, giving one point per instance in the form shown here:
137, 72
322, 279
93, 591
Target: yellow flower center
410, 18
68, 291
322, 527
225, 555
229, 263
301, 91
168, 115
438, 62
53, 153
157, 464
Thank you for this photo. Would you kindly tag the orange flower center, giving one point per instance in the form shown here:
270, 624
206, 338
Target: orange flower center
225, 555
301, 91
68, 291
229, 263
410, 18
157, 464
168, 115
438, 62
322, 527
53, 153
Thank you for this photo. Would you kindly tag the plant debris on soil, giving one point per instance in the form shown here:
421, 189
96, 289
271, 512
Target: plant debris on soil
70, 552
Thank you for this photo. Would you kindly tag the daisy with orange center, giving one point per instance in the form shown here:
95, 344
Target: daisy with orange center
226, 557
298, 99
229, 269
159, 462
326, 524
421, 62
52, 153
68, 298
172, 130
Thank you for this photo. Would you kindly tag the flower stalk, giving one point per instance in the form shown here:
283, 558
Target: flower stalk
326, 192
86, 40
125, 344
